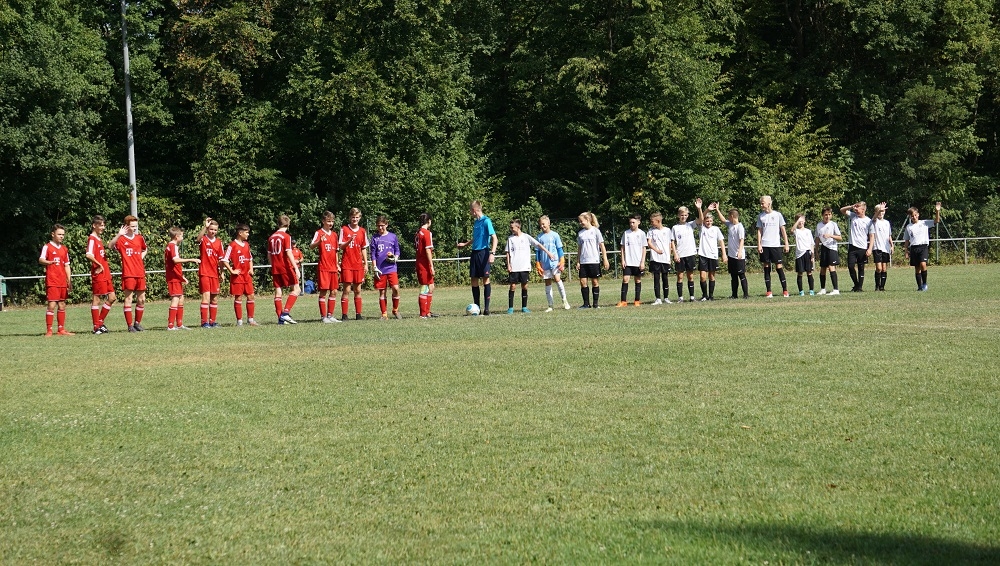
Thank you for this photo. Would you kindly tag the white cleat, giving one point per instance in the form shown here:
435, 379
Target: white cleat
657, 302
566, 305
287, 319
821, 292
835, 292
667, 302
549, 309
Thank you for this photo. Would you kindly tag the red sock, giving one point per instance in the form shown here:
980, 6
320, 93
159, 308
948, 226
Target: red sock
128, 316
49, 317
430, 299
213, 312
357, 304
331, 305
277, 306
61, 318
343, 304
204, 313
395, 304
250, 309
238, 307
171, 317
322, 307
105, 309
95, 315
381, 304
138, 314
290, 303
421, 303
180, 315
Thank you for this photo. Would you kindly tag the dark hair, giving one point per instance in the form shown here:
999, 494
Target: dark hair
636, 217
827, 209
425, 218
97, 219
242, 227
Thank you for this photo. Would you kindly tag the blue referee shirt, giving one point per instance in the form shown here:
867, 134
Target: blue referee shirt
482, 229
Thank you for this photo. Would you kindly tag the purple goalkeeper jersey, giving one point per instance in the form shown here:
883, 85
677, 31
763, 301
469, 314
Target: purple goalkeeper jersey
381, 247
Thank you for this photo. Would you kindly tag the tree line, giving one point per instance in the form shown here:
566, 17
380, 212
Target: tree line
245, 109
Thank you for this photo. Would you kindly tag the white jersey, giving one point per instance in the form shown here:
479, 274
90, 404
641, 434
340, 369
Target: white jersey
589, 243
803, 242
708, 244
519, 248
770, 224
684, 239
918, 234
634, 244
859, 229
736, 233
661, 238
883, 235
823, 232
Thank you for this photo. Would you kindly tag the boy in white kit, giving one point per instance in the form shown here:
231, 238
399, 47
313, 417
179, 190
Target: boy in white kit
659, 239
857, 254
771, 225
685, 249
519, 263
827, 235
805, 250
551, 270
917, 242
880, 245
737, 264
633, 252
709, 245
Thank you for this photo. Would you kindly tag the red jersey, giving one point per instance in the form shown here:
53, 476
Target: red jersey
131, 250
277, 247
356, 241
211, 251
327, 250
239, 257
175, 270
422, 243
55, 273
95, 247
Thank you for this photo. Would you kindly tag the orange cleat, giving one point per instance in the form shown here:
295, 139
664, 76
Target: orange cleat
64, 332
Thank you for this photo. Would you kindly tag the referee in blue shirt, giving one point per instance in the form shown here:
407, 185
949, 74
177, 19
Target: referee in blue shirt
484, 248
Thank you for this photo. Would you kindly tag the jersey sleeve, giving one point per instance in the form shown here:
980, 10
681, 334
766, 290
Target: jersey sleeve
316, 237
44, 254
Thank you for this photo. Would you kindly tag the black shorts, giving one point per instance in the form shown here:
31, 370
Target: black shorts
632, 271
772, 255
515, 277
828, 257
857, 256
479, 263
590, 271
804, 263
685, 264
658, 267
737, 265
919, 254
708, 264
878, 256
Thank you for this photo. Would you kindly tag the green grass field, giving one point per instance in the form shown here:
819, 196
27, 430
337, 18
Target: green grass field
818, 430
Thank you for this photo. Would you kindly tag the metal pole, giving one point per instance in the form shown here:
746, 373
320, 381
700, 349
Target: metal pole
965, 244
937, 245
133, 197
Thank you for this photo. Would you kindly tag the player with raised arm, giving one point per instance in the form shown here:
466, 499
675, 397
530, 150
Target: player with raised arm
132, 248
238, 262
736, 250
590, 252
385, 252
174, 265
857, 254
633, 250
284, 270
658, 240
917, 240
551, 270
484, 248
58, 280
518, 252
423, 243
805, 251
771, 225
685, 249
353, 244
880, 245
101, 285
210, 250
710, 243
827, 235
325, 242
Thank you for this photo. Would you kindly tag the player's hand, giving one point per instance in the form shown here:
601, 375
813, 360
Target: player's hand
868, 253
760, 249
100, 269
578, 266
197, 261
236, 272
697, 202
606, 265
538, 268
786, 248
185, 280
207, 222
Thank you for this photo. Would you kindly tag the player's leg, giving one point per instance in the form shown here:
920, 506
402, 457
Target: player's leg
324, 296
780, 268
562, 289
140, 308
61, 318
487, 291
638, 290
711, 285
250, 308
524, 295
852, 267
475, 290
172, 313
394, 281
50, 316
109, 300
278, 303
179, 323
213, 309
690, 276
95, 311
293, 295
206, 299
584, 292
356, 291
127, 300
767, 277
812, 282
625, 281
703, 280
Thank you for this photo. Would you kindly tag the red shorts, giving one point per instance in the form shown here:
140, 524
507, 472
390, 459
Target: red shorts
328, 281
101, 285
236, 288
56, 293
133, 283
175, 288
208, 285
424, 275
285, 279
351, 276
386, 279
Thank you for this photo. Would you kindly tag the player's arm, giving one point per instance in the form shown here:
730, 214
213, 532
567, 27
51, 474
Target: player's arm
493, 244
673, 251
291, 258
871, 239
96, 265
44, 260
317, 238
937, 212
760, 246
718, 212
651, 245
121, 232
430, 257
848, 208
784, 237
204, 228
539, 247
69, 276
701, 213
604, 254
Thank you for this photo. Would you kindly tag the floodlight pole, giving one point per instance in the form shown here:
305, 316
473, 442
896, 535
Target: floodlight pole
133, 197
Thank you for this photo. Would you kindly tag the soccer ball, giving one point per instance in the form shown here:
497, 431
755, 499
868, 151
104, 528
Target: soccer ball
472, 309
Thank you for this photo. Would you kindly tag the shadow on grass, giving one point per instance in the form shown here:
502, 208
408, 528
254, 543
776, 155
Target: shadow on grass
828, 545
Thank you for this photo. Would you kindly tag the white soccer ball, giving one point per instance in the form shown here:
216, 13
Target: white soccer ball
472, 309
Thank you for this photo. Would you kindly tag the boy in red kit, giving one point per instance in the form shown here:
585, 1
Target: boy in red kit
241, 276
423, 243
325, 242
174, 264
100, 277
353, 262
284, 269
55, 258
208, 272
132, 248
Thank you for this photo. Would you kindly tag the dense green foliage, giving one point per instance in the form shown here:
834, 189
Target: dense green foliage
245, 109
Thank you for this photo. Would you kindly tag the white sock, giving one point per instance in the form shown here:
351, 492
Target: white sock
548, 294
562, 291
